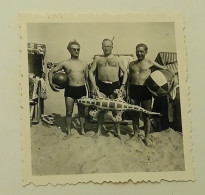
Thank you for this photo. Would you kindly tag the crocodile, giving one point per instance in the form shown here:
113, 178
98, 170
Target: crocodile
118, 105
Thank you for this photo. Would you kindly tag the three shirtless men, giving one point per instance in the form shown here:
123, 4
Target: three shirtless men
107, 69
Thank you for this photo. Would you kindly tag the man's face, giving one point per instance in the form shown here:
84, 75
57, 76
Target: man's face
140, 53
107, 47
75, 50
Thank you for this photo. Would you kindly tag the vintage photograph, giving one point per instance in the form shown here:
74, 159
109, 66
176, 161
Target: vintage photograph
105, 98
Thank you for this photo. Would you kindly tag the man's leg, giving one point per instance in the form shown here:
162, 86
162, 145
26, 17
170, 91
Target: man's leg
81, 112
116, 124
101, 115
117, 127
135, 119
146, 104
69, 102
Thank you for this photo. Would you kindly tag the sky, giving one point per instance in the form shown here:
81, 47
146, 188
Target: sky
159, 36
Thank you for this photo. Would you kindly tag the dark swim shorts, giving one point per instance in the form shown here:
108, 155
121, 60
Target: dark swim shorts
75, 92
139, 92
107, 88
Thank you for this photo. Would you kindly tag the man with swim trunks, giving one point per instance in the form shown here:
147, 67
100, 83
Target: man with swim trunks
77, 73
107, 67
139, 71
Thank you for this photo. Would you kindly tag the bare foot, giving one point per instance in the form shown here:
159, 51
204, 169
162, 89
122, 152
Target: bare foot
135, 137
97, 134
68, 133
119, 136
64, 136
83, 132
104, 133
148, 142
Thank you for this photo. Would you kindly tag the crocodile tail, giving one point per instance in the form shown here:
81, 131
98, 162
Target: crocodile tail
140, 109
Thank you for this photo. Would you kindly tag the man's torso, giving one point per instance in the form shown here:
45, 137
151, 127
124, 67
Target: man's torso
108, 68
139, 72
75, 69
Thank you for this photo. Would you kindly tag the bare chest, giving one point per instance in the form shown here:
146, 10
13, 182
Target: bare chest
140, 68
74, 67
106, 62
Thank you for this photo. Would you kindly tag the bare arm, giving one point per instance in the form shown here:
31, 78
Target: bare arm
86, 73
50, 75
129, 75
91, 73
129, 80
94, 88
162, 67
157, 65
86, 78
124, 80
123, 69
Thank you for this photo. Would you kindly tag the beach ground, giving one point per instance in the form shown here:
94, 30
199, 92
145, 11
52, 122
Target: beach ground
55, 154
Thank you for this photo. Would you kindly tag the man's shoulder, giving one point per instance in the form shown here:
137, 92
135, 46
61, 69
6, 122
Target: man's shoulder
97, 57
65, 63
62, 63
117, 57
132, 63
147, 61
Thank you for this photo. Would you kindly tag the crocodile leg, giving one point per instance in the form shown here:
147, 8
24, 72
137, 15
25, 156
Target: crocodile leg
117, 119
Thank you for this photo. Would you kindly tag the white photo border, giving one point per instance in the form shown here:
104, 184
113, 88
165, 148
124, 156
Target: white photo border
27, 177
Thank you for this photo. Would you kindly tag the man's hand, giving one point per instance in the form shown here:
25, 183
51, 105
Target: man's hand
55, 87
95, 91
170, 70
122, 88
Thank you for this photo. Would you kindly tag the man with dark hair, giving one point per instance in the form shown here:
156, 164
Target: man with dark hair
142, 45
107, 67
139, 71
77, 73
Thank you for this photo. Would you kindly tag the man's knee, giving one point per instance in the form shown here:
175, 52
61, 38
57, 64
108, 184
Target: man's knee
101, 117
147, 105
81, 111
81, 114
69, 113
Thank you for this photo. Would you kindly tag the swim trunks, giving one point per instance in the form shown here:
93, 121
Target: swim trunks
107, 87
75, 92
139, 92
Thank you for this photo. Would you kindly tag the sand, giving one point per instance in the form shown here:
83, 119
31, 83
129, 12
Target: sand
54, 154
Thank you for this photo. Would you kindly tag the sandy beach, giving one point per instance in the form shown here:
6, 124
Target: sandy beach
55, 154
